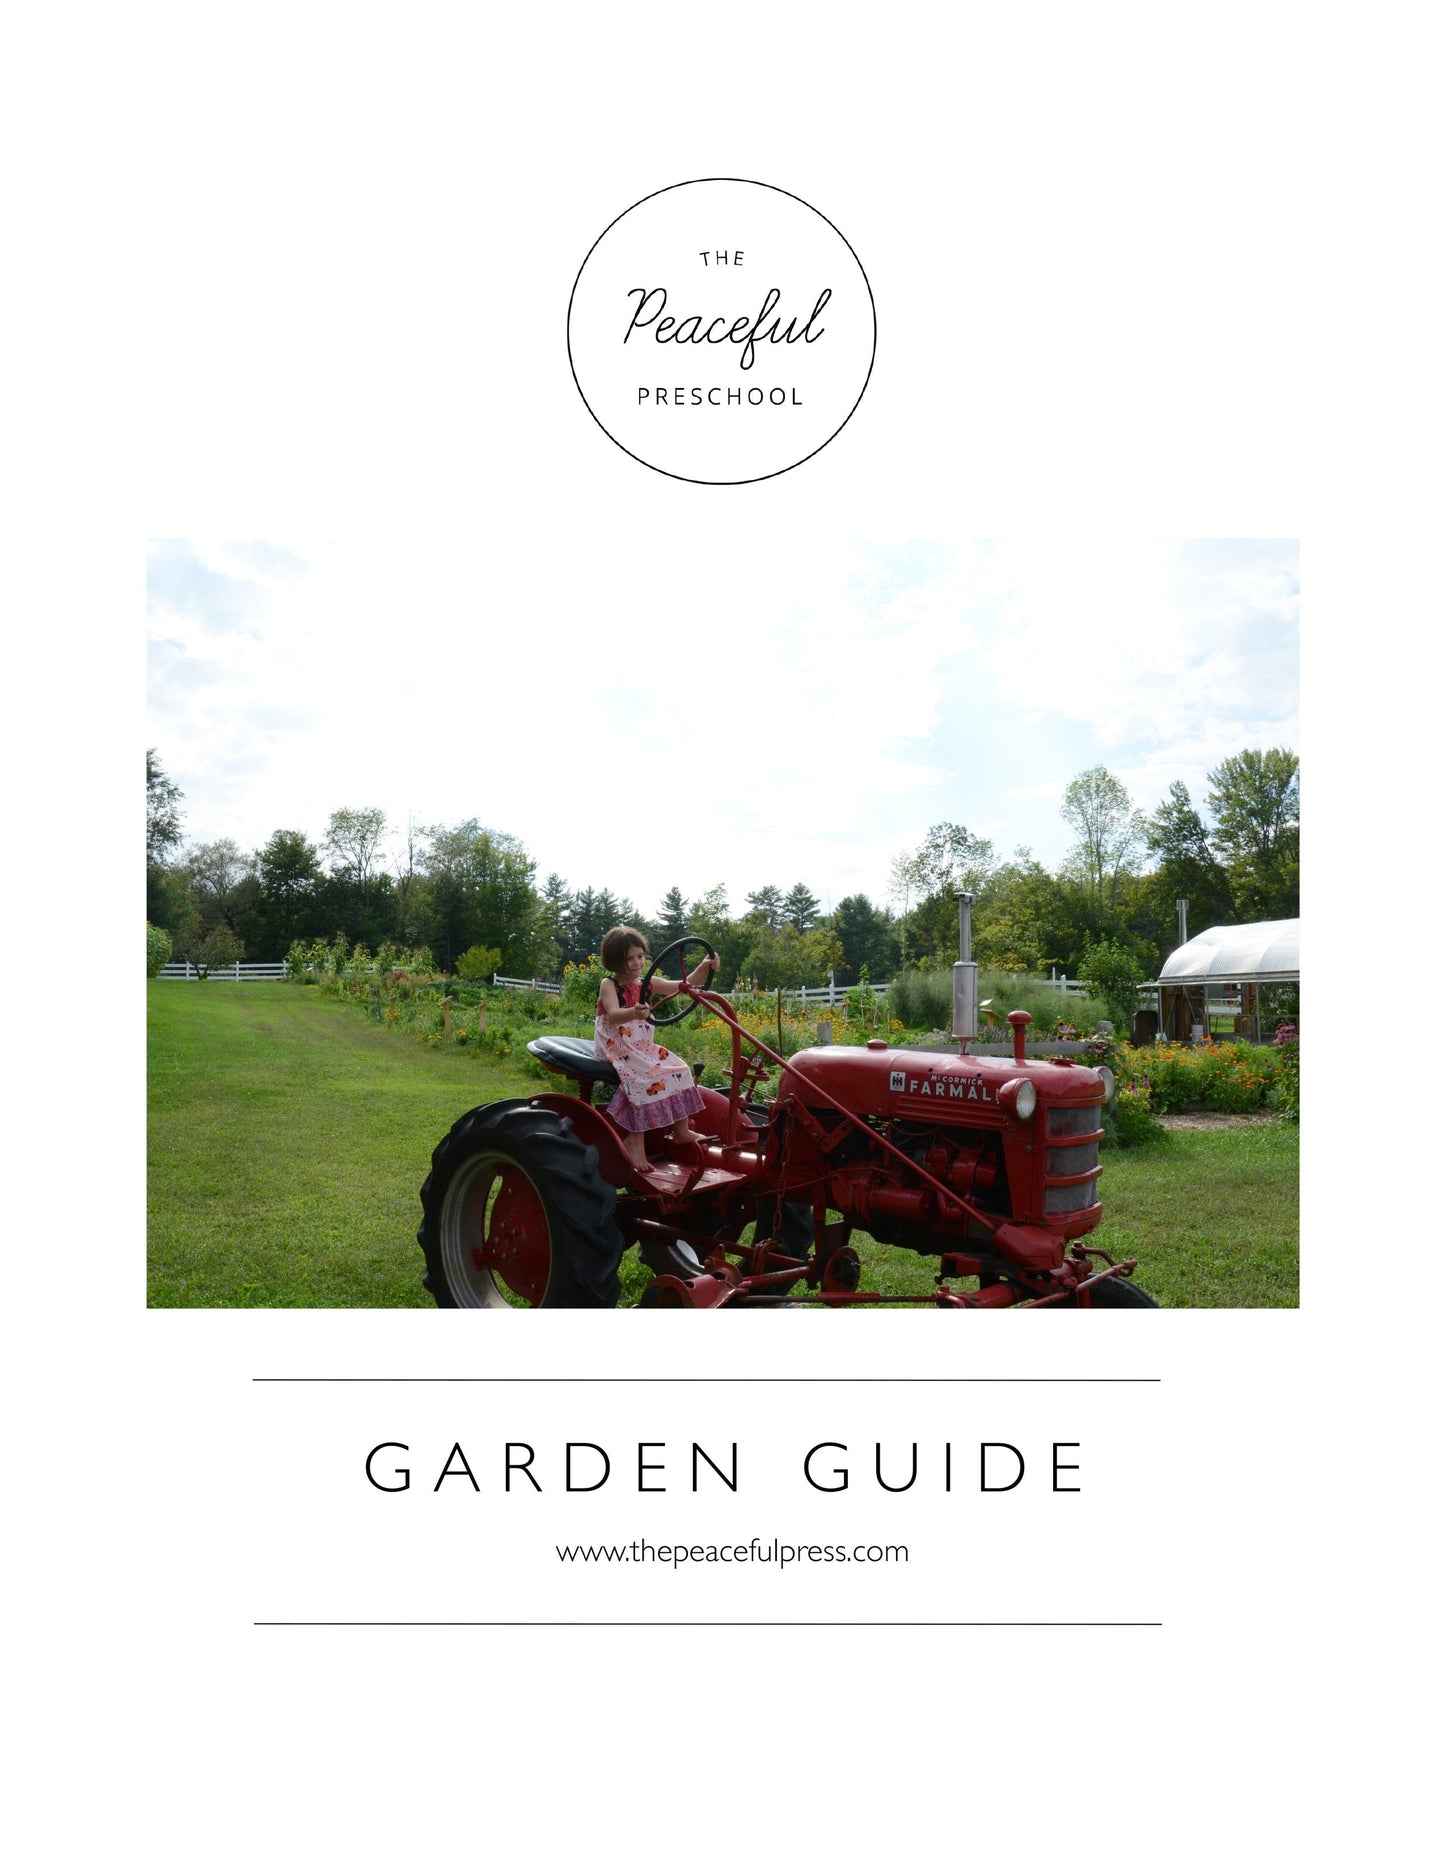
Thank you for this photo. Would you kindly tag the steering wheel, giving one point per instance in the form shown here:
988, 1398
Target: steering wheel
681, 946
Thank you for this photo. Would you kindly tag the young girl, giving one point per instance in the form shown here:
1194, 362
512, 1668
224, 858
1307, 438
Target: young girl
656, 1087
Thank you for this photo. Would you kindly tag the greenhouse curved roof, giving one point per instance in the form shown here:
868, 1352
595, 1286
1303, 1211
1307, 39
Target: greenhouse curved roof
1236, 952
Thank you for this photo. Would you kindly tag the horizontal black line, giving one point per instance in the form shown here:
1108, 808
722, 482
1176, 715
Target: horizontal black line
722, 1624
696, 1380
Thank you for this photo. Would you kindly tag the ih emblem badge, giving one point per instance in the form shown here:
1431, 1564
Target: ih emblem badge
897, 1081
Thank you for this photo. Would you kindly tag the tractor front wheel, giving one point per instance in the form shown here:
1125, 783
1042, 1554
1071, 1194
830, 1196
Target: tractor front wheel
790, 1223
516, 1212
1113, 1291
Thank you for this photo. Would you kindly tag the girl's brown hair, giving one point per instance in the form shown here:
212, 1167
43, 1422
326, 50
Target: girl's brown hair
617, 942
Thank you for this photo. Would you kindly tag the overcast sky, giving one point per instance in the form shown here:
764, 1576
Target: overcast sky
644, 711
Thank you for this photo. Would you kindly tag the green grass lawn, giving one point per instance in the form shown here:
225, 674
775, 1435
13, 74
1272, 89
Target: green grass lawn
289, 1137
1213, 1216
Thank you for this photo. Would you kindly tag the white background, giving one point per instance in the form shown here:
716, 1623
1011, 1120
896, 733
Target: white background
1135, 270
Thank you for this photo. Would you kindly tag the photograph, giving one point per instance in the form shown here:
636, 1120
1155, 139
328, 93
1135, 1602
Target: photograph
976, 985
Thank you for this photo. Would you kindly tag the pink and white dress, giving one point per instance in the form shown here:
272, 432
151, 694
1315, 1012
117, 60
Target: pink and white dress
655, 1086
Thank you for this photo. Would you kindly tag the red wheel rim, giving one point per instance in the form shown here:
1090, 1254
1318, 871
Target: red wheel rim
517, 1248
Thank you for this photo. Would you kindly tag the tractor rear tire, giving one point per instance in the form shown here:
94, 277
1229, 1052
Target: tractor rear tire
515, 1204
1115, 1291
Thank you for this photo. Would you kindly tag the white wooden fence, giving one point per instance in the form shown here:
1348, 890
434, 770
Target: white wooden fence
233, 971
830, 994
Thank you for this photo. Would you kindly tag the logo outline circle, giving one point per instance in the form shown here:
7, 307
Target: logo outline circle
746, 480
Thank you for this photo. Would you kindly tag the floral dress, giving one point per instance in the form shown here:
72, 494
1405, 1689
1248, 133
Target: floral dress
655, 1086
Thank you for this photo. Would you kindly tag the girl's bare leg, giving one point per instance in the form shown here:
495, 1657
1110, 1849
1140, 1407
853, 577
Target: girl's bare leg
636, 1150
683, 1133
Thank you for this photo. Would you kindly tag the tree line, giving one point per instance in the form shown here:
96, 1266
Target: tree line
469, 890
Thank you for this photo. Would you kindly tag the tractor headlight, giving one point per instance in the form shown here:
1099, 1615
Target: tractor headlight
1022, 1096
1106, 1074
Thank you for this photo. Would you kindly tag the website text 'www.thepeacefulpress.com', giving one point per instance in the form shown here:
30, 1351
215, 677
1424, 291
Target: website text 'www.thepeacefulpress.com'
755, 1552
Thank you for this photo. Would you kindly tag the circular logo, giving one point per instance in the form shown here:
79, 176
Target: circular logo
721, 331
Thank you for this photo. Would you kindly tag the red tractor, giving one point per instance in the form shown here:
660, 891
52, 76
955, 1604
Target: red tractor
990, 1166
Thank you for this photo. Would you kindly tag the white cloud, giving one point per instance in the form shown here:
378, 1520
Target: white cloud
644, 708
1163, 644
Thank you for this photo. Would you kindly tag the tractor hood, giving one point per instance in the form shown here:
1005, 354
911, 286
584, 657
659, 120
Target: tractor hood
879, 1081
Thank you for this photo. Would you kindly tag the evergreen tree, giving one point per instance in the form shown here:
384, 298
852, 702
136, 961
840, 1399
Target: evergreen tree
671, 920
554, 919
767, 905
594, 912
865, 934
800, 908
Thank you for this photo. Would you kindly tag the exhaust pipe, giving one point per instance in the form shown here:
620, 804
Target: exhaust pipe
965, 977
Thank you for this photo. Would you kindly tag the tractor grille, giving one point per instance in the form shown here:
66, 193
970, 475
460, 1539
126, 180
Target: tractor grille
1073, 1159
1069, 1160
1071, 1120
1059, 1201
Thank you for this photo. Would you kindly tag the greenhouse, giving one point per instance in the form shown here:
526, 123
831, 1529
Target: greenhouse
1232, 979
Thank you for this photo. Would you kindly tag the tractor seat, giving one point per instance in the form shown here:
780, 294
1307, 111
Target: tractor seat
561, 1053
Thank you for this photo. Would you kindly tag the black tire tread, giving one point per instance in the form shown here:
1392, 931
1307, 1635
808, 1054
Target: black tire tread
581, 1206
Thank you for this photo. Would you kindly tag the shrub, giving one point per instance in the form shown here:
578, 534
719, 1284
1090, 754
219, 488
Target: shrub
478, 963
1129, 1120
158, 949
220, 949
1111, 974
